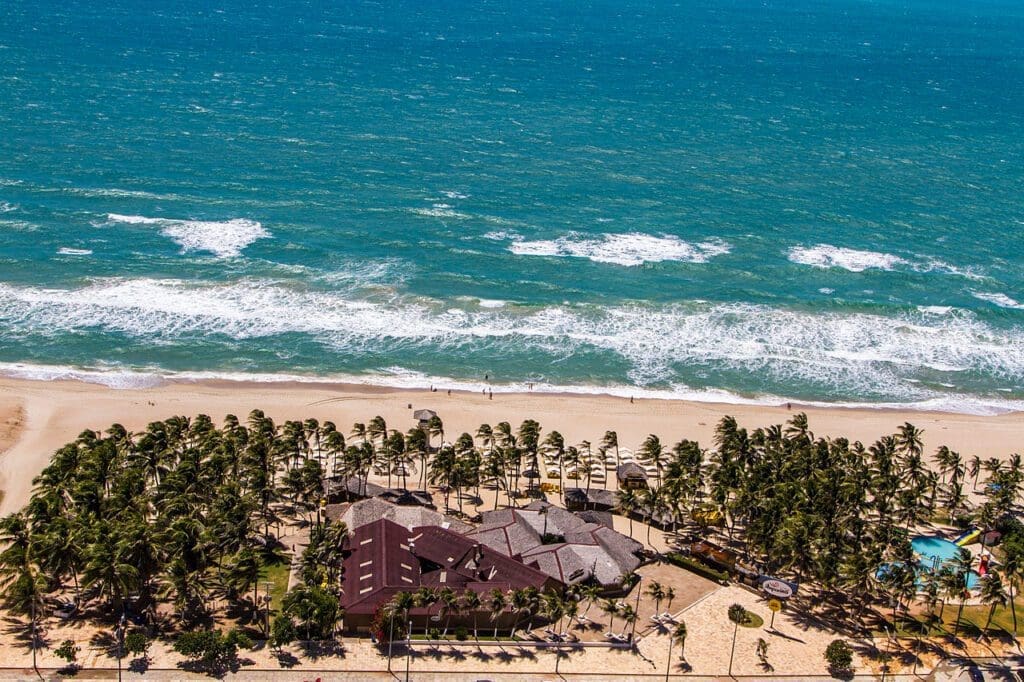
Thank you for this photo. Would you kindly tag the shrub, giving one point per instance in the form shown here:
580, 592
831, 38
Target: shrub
136, 643
386, 624
697, 567
461, 633
282, 632
839, 655
212, 648
435, 633
67, 650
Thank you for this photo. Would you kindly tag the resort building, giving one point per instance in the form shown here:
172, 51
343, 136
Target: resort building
384, 558
560, 543
597, 499
365, 512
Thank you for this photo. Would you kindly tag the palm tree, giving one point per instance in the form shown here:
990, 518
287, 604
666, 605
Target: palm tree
23, 584
628, 502
1012, 569
611, 441
556, 445
974, 469
953, 578
993, 593
678, 635
611, 607
656, 592
654, 452
629, 615
435, 427
591, 592
449, 601
737, 614
471, 602
496, 603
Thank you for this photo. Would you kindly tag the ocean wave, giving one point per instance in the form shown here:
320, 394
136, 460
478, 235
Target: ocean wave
7, 207
855, 260
828, 256
68, 251
999, 299
629, 249
224, 239
841, 353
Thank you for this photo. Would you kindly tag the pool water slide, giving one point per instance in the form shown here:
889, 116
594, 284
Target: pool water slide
968, 537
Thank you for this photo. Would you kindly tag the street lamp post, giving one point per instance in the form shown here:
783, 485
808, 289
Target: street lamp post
668, 665
632, 635
120, 643
408, 650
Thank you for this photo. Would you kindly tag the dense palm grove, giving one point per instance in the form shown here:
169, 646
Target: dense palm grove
186, 516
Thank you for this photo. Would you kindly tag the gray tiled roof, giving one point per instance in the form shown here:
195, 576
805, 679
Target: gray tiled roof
367, 511
589, 548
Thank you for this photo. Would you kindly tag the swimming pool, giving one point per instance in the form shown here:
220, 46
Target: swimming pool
935, 551
972, 577
934, 548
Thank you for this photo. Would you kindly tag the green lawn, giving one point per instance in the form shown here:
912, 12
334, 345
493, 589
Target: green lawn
971, 622
277, 575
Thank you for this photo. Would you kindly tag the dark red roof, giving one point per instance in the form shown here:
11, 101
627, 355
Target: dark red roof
385, 558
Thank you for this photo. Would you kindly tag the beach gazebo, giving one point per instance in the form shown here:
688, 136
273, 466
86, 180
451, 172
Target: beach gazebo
423, 417
631, 476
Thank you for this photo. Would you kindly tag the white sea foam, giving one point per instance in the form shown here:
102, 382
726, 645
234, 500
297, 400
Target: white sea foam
854, 260
68, 251
440, 211
828, 256
935, 309
842, 352
488, 303
628, 249
399, 377
6, 207
502, 235
224, 239
999, 299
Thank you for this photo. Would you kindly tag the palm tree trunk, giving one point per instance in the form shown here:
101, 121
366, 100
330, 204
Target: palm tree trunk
991, 612
1013, 606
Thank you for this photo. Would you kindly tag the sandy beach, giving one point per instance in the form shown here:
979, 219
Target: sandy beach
37, 417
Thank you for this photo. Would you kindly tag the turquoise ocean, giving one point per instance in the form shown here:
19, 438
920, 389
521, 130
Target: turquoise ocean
810, 200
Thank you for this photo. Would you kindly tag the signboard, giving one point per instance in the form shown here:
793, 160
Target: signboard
774, 605
778, 588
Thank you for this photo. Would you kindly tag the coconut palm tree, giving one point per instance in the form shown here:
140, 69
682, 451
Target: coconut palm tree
737, 614
1012, 569
651, 450
656, 592
953, 577
627, 503
678, 635
23, 583
471, 602
555, 444
611, 442
496, 604
993, 593
611, 607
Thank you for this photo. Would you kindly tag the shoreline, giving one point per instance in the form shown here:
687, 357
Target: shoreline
54, 412
127, 379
